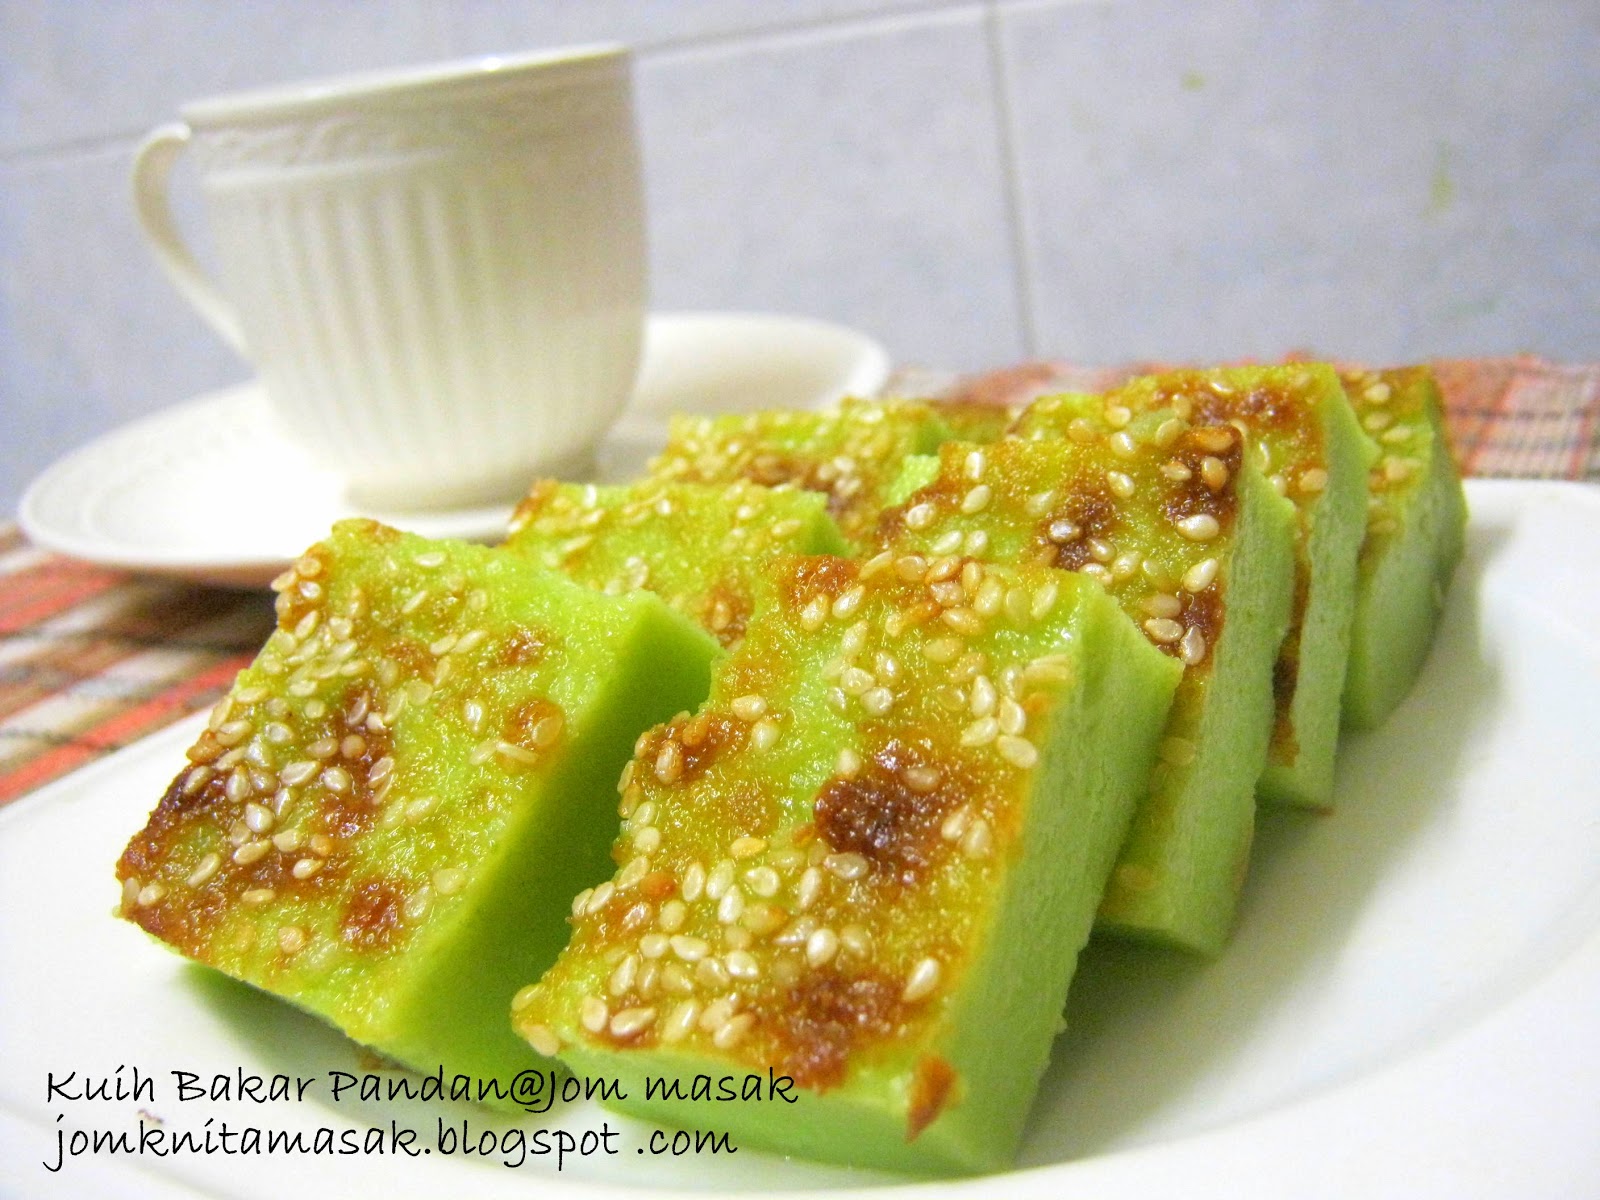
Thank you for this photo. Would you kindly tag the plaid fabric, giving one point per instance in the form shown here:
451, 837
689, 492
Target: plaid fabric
91, 659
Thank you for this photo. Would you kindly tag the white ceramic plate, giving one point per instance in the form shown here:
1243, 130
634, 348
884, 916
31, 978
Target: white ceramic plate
1411, 1006
212, 490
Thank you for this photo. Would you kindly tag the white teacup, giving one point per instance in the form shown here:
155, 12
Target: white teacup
440, 273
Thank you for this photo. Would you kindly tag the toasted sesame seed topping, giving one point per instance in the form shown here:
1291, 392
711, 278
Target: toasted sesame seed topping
1202, 527
922, 980
1019, 752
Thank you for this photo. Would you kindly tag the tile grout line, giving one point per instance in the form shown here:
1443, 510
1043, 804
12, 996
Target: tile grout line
1011, 183
866, 24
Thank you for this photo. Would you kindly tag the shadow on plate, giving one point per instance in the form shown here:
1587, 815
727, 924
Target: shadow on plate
1159, 1044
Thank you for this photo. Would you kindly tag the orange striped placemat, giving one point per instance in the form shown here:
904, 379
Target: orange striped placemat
93, 659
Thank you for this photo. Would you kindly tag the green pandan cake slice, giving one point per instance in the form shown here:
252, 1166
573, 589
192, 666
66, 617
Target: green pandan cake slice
1185, 532
850, 454
1416, 529
388, 813
835, 872
704, 549
1306, 439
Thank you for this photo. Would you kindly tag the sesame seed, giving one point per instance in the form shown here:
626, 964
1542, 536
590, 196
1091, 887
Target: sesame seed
1044, 599
1378, 393
1202, 527
733, 1031
981, 732
305, 868
689, 949
962, 620
1313, 480
1176, 471
846, 866
1163, 629
623, 977
593, 1013
814, 614
638, 867
764, 734
821, 946
297, 773
256, 897
1213, 472
447, 881
741, 964
977, 838
291, 939
983, 697
1193, 647
1017, 751
251, 852
539, 1036
1013, 720
976, 499
1199, 577
923, 979
975, 465
877, 701
847, 602
150, 893
680, 1021
809, 888
920, 779
720, 880
749, 708
694, 882
205, 869
919, 516
669, 762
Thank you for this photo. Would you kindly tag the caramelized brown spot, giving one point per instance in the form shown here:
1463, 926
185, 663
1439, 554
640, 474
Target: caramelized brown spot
525, 648
539, 496
1193, 497
1285, 673
372, 916
878, 817
658, 886
726, 612
825, 1016
413, 658
705, 737
1205, 612
1093, 511
817, 575
931, 1088
521, 722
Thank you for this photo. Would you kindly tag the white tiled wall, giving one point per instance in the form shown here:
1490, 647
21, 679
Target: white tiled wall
972, 183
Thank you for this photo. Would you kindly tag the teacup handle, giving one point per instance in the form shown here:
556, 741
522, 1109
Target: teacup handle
152, 173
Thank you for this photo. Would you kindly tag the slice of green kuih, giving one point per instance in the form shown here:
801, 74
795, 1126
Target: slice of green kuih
835, 872
702, 548
850, 454
1194, 543
1305, 437
1416, 529
388, 812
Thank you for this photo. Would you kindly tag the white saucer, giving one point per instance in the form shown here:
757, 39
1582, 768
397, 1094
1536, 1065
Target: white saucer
202, 490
